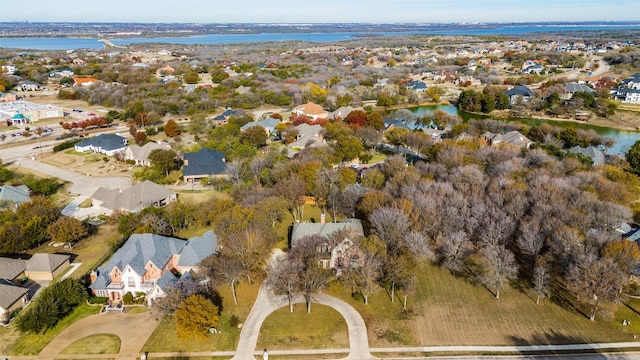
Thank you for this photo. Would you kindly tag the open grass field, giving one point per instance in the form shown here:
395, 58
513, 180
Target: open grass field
90, 252
32, 344
164, 338
322, 328
95, 344
448, 310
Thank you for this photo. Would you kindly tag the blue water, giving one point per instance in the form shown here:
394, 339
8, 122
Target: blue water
39, 43
624, 139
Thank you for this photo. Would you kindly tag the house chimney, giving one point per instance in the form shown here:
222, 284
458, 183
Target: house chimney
93, 276
322, 218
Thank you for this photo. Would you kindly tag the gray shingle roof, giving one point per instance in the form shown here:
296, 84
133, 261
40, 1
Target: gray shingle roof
134, 198
204, 162
9, 294
107, 142
198, 248
575, 87
519, 90
301, 230
46, 262
141, 153
268, 123
143, 248
11, 268
14, 194
596, 155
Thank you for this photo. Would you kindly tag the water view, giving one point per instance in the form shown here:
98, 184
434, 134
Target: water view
624, 139
47, 43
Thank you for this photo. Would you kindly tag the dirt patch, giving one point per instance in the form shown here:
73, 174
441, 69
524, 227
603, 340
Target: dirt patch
86, 163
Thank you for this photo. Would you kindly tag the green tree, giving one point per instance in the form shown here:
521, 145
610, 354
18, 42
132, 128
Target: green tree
163, 160
67, 230
633, 157
54, 303
374, 120
397, 137
192, 78
347, 148
255, 135
195, 316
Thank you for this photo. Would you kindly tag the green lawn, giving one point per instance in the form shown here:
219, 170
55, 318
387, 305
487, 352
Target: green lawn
322, 328
448, 310
164, 338
32, 344
95, 344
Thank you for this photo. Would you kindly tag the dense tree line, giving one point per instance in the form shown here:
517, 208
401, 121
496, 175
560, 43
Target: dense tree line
54, 302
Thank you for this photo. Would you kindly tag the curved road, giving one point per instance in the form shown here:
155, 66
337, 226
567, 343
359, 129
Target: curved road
266, 303
133, 330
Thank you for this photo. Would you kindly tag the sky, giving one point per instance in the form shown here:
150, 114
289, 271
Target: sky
314, 11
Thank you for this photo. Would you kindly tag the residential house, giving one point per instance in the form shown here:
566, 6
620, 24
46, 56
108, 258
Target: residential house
269, 125
147, 263
337, 252
534, 68
140, 154
165, 70
224, 117
202, 164
513, 138
108, 144
46, 267
14, 195
12, 298
572, 88
4, 96
628, 91
591, 152
12, 270
134, 198
308, 136
417, 86
342, 112
519, 94
86, 81
28, 85
311, 110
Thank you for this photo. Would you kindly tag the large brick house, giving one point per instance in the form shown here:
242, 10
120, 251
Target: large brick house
148, 262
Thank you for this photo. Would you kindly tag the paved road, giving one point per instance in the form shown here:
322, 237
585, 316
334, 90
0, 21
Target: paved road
266, 303
133, 330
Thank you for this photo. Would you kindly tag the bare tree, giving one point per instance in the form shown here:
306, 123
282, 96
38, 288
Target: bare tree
453, 249
292, 190
174, 294
225, 268
419, 245
236, 171
595, 280
363, 278
249, 249
541, 277
311, 277
498, 266
283, 279
390, 225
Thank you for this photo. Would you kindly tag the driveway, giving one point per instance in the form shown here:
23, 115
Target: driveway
266, 303
133, 330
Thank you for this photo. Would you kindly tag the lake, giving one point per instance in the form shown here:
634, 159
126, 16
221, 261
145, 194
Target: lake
624, 139
47, 43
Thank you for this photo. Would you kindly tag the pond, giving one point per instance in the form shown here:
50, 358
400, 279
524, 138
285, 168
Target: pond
624, 139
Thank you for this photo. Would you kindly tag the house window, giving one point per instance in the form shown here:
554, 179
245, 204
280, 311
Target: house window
131, 282
354, 261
